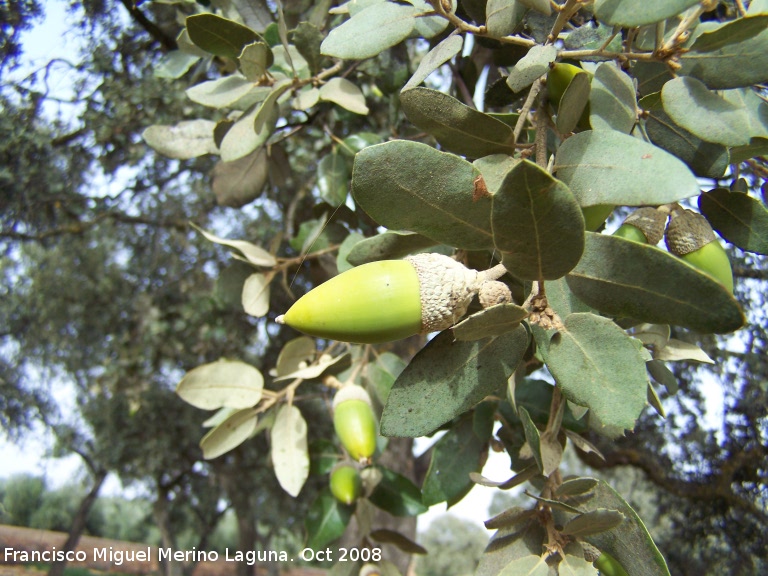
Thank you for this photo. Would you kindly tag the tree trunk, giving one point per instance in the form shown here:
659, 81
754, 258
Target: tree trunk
78, 522
167, 539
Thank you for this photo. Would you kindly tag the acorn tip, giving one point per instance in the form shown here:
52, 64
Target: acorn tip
280, 319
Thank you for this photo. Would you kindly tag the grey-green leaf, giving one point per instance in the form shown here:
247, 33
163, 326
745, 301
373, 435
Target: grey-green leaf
705, 114
536, 223
406, 185
241, 181
187, 139
599, 366
703, 158
493, 321
229, 434
447, 378
255, 59
502, 17
532, 437
612, 101
225, 383
576, 486
531, 66
738, 217
388, 245
456, 126
371, 31
290, 456
221, 92
733, 55
439, 55
593, 522
632, 13
626, 278
608, 167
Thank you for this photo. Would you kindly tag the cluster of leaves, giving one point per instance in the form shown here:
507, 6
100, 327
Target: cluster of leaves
663, 98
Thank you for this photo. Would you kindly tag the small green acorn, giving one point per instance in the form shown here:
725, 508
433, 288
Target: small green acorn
690, 236
386, 300
355, 422
644, 225
595, 216
345, 482
608, 566
559, 77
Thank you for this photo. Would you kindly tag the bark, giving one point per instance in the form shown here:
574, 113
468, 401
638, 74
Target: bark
78, 523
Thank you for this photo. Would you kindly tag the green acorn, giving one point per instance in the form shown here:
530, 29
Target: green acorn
355, 422
644, 225
595, 216
691, 237
346, 484
386, 300
559, 77
608, 566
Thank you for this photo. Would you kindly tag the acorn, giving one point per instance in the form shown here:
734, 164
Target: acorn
559, 77
690, 236
386, 300
609, 566
595, 216
644, 225
355, 422
345, 482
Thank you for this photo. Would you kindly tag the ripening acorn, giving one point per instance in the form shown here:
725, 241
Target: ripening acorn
609, 566
559, 77
355, 422
644, 225
386, 300
346, 484
690, 236
595, 216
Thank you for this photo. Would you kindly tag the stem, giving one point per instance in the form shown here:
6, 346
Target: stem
556, 411
492, 273
525, 110
566, 12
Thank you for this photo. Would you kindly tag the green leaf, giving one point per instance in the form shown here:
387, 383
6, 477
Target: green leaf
612, 101
241, 181
254, 60
629, 542
502, 17
381, 375
704, 158
429, 26
371, 31
532, 437
509, 517
242, 138
219, 36
406, 185
387, 246
307, 38
454, 456
733, 55
175, 64
531, 66
326, 520
397, 539
255, 297
630, 13
663, 375
225, 383
290, 456
608, 167
342, 264
614, 277
527, 566
493, 321
593, 522
447, 378
323, 456
397, 495
590, 36
344, 93
599, 366
536, 224
333, 178
757, 147
536, 396
187, 139
229, 434
439, 55
456, 126
737, 217
705, 114
542, 6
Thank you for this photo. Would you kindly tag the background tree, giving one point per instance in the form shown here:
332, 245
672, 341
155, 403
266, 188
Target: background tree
292, 101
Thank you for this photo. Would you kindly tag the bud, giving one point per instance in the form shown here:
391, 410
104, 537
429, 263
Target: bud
386, 300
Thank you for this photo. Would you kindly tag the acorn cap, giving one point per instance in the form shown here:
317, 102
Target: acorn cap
446, 288
493, 292
351, 392
650, 222
687, 232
